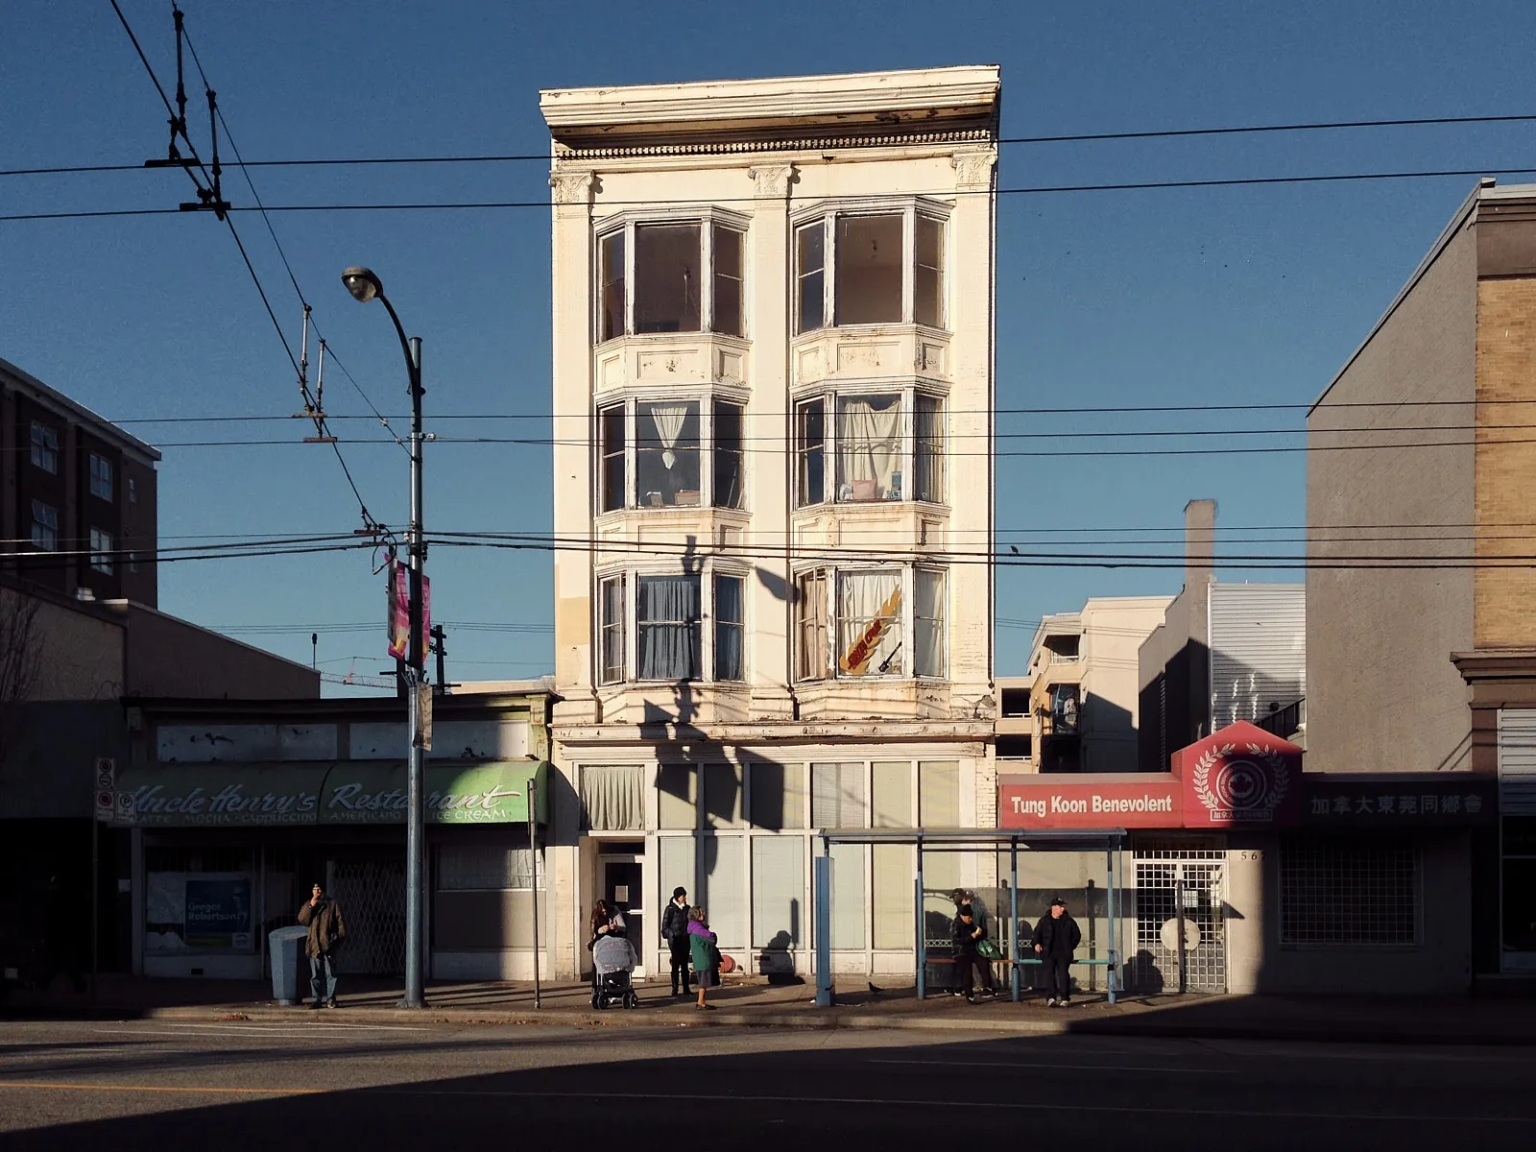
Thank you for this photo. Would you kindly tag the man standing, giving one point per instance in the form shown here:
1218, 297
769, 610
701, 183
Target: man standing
1056, 938
326, 931
674, 930
966, 933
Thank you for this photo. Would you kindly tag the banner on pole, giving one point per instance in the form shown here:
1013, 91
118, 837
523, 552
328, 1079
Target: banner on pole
399, 611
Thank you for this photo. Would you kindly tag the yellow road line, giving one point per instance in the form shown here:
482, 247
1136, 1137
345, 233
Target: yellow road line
57, 1087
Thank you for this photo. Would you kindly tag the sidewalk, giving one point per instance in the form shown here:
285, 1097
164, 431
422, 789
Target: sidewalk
1458, 1020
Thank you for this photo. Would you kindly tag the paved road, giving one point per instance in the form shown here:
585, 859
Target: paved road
322, 1083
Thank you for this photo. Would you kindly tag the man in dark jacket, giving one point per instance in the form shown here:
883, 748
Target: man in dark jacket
326, 932
674, 930
967, 932
1056, 938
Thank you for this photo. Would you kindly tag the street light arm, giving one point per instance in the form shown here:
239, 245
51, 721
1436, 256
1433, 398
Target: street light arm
405, 346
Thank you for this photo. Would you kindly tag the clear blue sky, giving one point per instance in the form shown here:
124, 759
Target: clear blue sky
1208, 296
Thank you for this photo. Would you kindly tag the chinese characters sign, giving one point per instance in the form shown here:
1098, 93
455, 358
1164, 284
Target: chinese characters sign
1418, 799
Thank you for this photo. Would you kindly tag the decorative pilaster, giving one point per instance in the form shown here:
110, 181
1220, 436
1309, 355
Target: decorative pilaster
973, 169
772, 182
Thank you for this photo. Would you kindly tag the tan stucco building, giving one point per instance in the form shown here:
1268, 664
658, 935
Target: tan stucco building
773, 381
1419, 492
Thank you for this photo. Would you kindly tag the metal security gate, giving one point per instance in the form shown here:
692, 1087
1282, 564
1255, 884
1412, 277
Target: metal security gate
1163, 877
372, 896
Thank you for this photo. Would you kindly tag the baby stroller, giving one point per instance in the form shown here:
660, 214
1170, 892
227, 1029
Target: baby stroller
613, 961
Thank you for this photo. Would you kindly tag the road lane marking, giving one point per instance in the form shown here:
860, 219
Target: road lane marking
318, 1025
184, 1035
1124, 1109
1180, 1071
55, 1086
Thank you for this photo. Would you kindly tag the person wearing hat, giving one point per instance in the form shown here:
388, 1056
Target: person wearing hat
326, 931
674, 930
1056, 938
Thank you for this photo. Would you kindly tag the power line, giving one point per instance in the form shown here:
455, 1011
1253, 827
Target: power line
543, 205
546, 157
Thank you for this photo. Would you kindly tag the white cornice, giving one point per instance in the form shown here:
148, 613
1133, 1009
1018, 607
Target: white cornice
801, 99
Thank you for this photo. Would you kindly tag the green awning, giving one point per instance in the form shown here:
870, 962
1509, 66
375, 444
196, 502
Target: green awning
331, 793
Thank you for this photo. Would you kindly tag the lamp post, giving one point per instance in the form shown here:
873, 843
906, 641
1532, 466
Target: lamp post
365, 286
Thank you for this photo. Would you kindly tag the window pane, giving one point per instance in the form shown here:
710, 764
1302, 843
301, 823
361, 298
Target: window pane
722, 888
611, 596
928, 429
101, 551
45, 448
837, 795
778, 891
869, 623
729, 621
727, 281
847, 895
928, 278
45, 527
811, 621
667, 454
809, 263
868, 281
928, 622
892, 787
667, 281
667, 615
677, 799
101, 477
611, 449
938, 794
722, 795
612, 798
869, 448
677, 855
810, 444
727, 455
613, 285
893, 894
778, 795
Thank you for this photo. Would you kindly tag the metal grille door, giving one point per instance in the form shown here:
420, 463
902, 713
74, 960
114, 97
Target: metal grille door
372, 897
1155, 967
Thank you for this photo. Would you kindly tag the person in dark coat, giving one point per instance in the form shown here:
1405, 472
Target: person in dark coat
967, 932
322, 915
674, 930
1056, 939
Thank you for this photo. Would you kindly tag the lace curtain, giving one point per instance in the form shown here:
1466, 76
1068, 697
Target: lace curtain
668, 419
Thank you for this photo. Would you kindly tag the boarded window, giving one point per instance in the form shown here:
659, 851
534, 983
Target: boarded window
892, 799
722, 795
894, 891
722, 892
848, 909
475, 867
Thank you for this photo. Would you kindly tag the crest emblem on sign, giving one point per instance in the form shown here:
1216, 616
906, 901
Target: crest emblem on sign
1247, 786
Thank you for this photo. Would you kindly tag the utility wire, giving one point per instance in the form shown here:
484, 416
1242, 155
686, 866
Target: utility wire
545, 157
544, 205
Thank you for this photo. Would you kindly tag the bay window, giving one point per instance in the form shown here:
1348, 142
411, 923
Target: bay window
671, 277
668, 625
886, 267
652, 626
876, 457
667, 454
855, 623
730, 624
662, 445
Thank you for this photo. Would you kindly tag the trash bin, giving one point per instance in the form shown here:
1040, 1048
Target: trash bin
290, 967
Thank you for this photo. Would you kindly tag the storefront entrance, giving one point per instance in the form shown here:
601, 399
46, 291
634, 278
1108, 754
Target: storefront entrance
1174, 883
622, 877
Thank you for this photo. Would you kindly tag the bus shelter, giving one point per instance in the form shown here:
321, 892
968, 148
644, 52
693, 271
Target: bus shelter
1109, 841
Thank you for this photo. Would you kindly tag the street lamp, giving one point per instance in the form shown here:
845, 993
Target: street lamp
366, 286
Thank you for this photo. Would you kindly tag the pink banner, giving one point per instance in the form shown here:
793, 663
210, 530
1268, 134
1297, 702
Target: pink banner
399, 589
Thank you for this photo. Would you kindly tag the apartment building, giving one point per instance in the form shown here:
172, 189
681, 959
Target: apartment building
1421, 602
773, 382
1075, 710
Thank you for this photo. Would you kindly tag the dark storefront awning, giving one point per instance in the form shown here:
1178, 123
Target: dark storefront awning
331, 792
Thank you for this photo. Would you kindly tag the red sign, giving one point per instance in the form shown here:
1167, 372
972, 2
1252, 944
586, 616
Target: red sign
1144, 800
1240, 777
